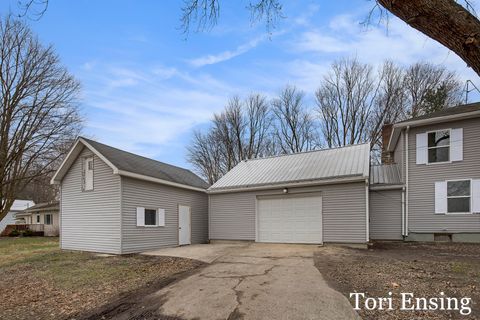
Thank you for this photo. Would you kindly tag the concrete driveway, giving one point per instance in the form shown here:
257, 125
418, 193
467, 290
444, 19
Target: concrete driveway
252, 281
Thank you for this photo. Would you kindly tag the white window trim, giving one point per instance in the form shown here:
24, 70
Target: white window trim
453, 197
449, 147
156, 225
85, 161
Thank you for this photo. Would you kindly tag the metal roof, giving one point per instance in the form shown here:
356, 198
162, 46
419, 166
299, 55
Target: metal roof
385, 174
345, 162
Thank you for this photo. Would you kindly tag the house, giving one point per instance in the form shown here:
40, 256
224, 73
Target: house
18, 206
310, 197
114, 201
438, 157
426, 189
42, 217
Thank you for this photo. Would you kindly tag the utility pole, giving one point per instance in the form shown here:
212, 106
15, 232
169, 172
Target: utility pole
469, 83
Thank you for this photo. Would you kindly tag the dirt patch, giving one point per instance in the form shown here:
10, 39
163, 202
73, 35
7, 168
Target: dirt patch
425, 270
39, 281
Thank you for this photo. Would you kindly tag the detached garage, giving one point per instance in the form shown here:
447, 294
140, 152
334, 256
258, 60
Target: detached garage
312, 197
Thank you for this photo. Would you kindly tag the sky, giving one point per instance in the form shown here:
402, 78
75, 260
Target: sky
146, 86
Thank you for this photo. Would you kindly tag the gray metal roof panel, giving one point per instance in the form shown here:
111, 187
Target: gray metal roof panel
385, 174
307, 166
130, 162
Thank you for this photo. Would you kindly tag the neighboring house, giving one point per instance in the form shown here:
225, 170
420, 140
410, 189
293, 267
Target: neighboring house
311, 197
41, 217
438, 156
18, 206
114, 201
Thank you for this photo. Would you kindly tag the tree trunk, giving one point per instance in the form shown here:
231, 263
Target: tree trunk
445, 21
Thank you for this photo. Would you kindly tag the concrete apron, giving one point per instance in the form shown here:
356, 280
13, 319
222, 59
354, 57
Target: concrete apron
257, 281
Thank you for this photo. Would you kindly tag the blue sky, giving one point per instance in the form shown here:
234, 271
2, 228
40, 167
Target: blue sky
145, 87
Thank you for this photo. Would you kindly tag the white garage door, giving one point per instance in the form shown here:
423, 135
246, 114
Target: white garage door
290, 219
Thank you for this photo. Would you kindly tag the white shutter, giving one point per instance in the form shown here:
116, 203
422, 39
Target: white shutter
422, 150
161, 217
441, 197
476, 196
456, 144
140, 217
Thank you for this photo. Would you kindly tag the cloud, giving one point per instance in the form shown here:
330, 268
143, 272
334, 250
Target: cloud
227, 55
344, 36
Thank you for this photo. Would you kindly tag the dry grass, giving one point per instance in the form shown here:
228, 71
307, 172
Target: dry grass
38, 280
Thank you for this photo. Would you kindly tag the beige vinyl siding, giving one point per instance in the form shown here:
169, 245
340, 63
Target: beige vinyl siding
90, 220
232, 215
386, 214
422, 179
138, 193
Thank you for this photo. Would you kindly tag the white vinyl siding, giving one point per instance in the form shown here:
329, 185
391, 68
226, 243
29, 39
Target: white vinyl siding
386, 214
90, 221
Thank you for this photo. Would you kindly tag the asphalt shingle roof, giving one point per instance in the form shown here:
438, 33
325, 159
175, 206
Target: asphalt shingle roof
130, 162
448, 112
300, 167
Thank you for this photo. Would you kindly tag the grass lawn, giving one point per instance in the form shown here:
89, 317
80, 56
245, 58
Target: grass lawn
424, 269
39, 281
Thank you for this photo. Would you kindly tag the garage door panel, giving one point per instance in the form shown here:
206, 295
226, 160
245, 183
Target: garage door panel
290, 219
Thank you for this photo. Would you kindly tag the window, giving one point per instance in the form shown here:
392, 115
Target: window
38, 218
88, 174
439, 146
150, 217
458, 196
48, 219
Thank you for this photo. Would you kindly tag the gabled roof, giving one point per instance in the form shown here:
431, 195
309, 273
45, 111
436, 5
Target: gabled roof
313, 167
385, 174
128, 164
44, 206
460, 112
19, 205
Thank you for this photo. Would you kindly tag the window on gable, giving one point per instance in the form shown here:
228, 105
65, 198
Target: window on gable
150, 217
439, 146
88, 174
458, 196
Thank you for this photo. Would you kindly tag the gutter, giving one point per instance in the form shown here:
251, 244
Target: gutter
387, 187
357, 178
157, 180
367, 210
415, 123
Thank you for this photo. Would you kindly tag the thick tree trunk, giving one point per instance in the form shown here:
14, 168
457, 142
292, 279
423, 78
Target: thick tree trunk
445, 21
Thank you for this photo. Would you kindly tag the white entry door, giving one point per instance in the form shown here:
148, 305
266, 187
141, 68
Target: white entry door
290, 219
184, 226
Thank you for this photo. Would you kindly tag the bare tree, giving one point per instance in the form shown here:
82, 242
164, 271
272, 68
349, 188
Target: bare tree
240, 132
295, 129
345, 102
38, 112
423, 80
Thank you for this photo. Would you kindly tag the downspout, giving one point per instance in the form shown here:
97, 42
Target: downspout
367, 209
406, 181
403, 211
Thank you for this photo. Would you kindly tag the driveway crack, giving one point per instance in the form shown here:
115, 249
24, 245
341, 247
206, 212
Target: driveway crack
236, 314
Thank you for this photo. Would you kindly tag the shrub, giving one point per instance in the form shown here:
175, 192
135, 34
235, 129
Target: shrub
27, 233
14, 233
